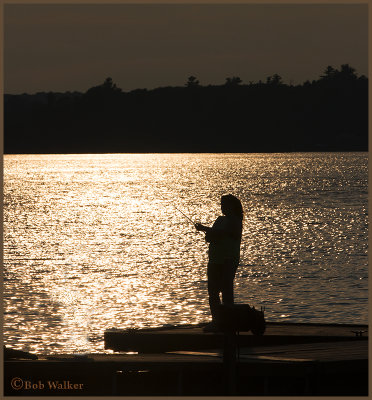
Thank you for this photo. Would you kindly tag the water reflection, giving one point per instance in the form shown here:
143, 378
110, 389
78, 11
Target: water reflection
93, 242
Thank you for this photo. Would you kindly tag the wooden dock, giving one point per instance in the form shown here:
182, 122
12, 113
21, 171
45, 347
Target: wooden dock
314, 367
192, 337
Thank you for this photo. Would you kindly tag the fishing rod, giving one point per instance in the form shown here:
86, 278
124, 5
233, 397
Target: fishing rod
175, 207
183, 214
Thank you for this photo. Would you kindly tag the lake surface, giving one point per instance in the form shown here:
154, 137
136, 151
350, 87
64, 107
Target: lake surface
93, 242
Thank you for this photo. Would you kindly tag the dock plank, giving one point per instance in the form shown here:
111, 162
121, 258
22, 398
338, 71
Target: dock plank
272, 328
333, 351
193, 338
313, 352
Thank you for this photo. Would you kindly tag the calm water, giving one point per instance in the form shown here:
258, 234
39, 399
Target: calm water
93, 242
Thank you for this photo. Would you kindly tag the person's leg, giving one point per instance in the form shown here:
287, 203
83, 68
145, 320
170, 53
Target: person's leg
228, 284
214, 289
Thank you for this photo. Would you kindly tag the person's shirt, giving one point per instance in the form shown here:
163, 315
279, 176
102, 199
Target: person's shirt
224, 240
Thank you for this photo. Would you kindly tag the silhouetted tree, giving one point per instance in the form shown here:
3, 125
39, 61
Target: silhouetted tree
234, 81
329, 73
274, 80
109, 85
192, 82
347, 72
362, 78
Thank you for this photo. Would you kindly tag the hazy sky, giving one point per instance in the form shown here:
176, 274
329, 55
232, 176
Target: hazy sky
74, 47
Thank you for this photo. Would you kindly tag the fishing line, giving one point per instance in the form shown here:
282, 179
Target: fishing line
168, 201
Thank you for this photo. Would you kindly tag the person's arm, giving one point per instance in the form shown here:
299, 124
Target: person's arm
212, 233
221, 228
203, 228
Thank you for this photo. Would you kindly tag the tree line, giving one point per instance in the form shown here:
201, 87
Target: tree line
327, 114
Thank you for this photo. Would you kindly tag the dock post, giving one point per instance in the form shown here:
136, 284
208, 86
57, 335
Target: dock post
229, 361
114, 383
180, 382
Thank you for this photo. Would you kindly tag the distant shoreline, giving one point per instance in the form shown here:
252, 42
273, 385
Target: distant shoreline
329, 114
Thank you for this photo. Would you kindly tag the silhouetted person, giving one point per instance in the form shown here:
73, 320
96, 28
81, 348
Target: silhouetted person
224, 239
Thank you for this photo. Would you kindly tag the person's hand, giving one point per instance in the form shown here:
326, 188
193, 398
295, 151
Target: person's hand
199, 227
